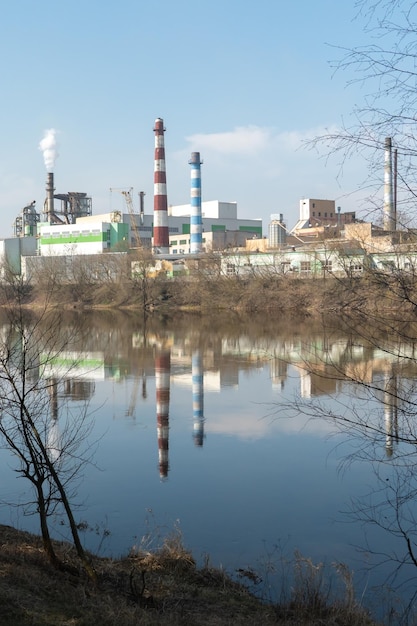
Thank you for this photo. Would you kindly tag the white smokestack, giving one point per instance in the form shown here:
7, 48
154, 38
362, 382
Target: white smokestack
389, 217
48, 146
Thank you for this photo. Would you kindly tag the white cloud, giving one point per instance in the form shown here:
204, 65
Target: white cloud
242, 140
267, 170
252, 141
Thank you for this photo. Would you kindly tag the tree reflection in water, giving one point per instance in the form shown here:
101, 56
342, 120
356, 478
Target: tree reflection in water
235, 418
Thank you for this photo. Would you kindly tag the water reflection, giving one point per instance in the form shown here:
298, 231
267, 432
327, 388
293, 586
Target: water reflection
323, 363
176, 396
390, 400
198, 397
162, 384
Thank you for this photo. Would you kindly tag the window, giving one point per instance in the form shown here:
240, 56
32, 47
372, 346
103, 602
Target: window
305, 266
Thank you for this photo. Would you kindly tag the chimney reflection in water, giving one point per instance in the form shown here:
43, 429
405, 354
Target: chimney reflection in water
162, 382
390, 411
198, 397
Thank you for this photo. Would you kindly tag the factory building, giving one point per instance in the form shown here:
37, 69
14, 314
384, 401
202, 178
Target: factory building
316, 213
71, 229
219, 224
12, 251
211, 241
93, 237
221, 228
117, 232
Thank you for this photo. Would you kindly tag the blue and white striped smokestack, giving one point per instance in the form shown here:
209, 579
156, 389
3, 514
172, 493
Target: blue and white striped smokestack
196, 220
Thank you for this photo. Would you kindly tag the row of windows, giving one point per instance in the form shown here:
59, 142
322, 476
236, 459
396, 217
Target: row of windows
319, 214
73, 233
182, 242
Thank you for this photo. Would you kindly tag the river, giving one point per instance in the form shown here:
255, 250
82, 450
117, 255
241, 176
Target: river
222, 431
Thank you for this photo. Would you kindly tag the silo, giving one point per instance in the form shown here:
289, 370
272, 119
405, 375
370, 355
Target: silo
277, 235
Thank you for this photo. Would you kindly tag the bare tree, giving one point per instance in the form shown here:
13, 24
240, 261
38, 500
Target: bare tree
29, 347
386, 69
379, 417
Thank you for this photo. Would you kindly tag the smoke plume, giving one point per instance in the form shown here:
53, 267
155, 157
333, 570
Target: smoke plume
48, 146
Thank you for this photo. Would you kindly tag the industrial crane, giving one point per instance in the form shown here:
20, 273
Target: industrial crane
133, 224
127, 193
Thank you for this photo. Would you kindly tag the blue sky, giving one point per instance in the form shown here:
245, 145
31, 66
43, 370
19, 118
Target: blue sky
242, 82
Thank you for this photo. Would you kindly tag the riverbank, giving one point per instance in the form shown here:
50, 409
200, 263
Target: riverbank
150, 589
205, 293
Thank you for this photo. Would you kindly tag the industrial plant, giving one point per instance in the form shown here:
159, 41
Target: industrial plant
67, 228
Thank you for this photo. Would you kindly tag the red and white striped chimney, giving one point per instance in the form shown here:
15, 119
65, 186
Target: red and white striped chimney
160, 229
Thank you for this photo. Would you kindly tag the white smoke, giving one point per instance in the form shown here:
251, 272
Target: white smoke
48, 146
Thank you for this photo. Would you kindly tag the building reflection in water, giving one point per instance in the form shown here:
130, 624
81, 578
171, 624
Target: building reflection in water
198, 397
321, 365
72, 388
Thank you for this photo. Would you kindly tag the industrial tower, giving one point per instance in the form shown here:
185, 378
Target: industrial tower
196, 222
160, 232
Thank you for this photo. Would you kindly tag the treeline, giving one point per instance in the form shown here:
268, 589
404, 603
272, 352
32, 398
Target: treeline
206, 291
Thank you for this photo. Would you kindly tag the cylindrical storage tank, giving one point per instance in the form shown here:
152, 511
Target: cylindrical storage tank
277, 236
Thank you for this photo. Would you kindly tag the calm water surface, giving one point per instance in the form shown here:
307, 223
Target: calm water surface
198, 429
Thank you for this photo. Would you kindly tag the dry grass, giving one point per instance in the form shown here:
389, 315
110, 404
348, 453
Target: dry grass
145, 588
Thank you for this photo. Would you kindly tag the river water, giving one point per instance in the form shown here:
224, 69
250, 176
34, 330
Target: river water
222, 430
